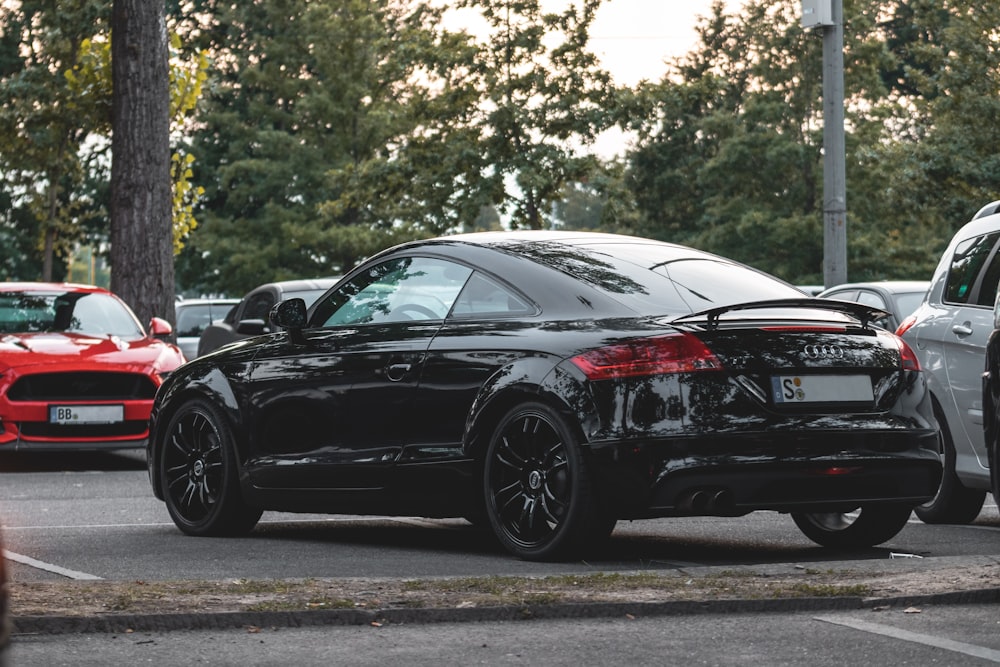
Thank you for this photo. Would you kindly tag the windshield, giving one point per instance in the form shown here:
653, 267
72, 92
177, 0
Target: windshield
78, 312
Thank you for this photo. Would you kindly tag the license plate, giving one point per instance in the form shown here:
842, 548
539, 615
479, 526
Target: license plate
822, 389
86, 414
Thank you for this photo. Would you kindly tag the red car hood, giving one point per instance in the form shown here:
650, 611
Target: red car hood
67, 349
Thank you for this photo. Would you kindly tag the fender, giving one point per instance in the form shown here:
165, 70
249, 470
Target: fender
529, 378
192, 380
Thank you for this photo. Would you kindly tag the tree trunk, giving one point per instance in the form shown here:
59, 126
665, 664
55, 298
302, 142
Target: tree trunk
142, 266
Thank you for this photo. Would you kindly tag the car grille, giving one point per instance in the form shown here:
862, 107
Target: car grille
72, 431
82, 386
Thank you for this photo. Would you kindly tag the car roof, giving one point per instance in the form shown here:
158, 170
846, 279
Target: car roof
197, 301
37, 286
887, 285
297, 284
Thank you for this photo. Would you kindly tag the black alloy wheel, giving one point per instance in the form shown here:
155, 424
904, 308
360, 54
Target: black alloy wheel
199, 477
868, 526
953, 503
539, 496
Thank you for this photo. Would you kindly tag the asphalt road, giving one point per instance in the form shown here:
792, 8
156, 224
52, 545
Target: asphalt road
83, 517
93, 517
944, 635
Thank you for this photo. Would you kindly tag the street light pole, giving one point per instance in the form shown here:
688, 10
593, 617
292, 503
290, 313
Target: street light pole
834, 169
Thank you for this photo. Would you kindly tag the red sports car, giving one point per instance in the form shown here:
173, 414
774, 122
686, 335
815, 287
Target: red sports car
77, 370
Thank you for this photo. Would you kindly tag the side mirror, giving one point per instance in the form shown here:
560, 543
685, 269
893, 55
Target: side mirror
160, 327
289, 314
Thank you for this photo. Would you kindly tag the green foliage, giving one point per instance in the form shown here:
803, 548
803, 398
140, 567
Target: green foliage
55, 122
543, 99
731, 158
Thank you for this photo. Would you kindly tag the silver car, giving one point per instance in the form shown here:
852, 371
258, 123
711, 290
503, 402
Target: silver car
194, 316
949, 331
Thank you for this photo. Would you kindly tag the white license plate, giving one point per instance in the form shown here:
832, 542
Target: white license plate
822, 389
86, 414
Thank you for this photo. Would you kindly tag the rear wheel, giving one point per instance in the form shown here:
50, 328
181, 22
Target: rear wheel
538, 491
199, 477
868, 526
953, 502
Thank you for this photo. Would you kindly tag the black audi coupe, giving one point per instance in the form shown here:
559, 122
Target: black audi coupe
548, 384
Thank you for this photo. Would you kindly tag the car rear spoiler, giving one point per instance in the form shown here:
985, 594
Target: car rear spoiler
866, 314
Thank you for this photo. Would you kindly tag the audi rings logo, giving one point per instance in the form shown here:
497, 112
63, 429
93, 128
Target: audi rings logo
822, 351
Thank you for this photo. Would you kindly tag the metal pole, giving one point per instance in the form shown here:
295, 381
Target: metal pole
834, 176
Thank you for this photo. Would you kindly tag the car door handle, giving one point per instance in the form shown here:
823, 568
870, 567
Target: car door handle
964, 329
396, 372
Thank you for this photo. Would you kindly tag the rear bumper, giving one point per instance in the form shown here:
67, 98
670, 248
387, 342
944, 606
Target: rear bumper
832, 471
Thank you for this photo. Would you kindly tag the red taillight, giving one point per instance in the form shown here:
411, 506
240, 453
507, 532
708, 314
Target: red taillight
673, 353
908, 358
905, 325
808, 328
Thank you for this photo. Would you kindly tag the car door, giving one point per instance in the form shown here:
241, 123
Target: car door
969, 293
333, 407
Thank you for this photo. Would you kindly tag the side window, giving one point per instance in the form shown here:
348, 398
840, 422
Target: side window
966, 265
193, 320
872, 299
398, 290
258, 306
986, 296
483, 296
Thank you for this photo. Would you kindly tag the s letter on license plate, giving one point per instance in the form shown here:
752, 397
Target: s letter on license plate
822, 389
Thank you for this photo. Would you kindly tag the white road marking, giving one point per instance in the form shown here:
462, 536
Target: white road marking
49, 567
927, 640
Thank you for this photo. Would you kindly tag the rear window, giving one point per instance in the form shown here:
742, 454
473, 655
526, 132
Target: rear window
653, 278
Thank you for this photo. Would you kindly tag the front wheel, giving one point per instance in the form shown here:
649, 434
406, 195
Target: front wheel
538, 491
199, 477
868, 526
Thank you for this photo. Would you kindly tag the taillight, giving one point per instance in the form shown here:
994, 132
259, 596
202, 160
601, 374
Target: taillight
905, 325
908, 358
673, 353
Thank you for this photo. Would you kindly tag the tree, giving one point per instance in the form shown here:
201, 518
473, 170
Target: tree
331, 129
43, 125
731, 159
142, 270
544, 99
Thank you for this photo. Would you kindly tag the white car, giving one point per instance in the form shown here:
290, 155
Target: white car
948, 332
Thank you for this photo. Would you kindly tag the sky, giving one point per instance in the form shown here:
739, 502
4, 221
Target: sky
633, 38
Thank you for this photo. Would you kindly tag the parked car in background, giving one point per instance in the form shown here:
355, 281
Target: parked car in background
948, 332
899, 298
194, 316
5, 620
249, 317
77, 369
548, 384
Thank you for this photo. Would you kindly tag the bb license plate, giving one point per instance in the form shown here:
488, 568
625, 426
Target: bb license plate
86, 414
822, 389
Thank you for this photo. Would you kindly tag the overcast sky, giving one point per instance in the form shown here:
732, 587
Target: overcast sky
634, 37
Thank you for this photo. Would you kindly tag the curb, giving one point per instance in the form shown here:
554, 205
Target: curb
123, 623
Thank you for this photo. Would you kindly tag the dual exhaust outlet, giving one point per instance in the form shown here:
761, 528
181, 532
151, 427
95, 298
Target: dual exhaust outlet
707, 502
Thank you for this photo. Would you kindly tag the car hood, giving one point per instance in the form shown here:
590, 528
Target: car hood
68, 348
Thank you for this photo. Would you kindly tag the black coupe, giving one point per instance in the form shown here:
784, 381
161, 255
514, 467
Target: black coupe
548, 384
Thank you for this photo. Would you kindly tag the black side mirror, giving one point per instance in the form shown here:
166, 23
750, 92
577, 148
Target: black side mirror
289, 314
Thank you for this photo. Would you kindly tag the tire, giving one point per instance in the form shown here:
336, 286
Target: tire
538, 491
953, 503
873, 524
199, 477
